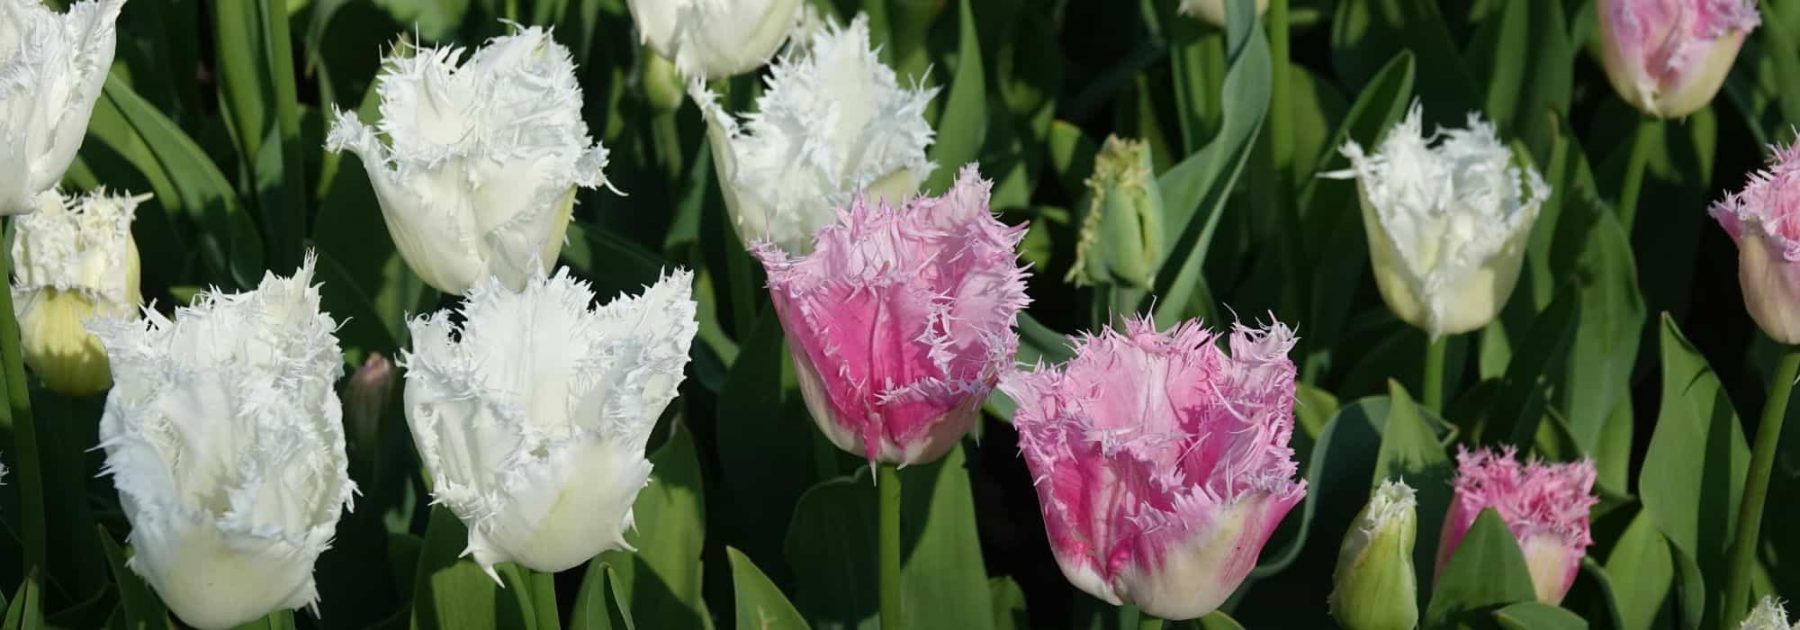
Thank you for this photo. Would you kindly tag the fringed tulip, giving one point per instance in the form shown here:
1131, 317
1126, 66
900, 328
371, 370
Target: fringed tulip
1544, 505
833, 123
476, 165
1768, 615
52, 67
1162, 464
901, 319
1213, 11
1121, 241
715, 39
531, 414
1668, 58
1374, 587
1447, 217
74, 260
226, 442
1764, 220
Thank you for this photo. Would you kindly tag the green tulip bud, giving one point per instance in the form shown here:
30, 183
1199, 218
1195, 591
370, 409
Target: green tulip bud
1374, 587
663, 86
1121, 239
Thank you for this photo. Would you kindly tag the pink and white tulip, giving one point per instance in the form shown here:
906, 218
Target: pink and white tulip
1764, 220
1544, 505
1668, 58
901, 319
1162, 464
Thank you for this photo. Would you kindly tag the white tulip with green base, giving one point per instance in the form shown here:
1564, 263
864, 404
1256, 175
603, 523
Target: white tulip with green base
1769, 614
1375, 587
75, 260
715, 39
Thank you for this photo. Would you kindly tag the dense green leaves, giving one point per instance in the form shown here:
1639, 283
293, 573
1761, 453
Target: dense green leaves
1484, 575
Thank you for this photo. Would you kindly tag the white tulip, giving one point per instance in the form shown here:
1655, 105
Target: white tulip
715, 39
226, 443
834, 122
1769, 614
75, 260
51, 70
478, 171
532, 415
1447, 217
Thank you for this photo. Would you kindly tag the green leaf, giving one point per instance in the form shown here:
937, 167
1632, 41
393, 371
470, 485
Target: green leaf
661, 581
1218, 620
141, 609
1410, 451
1693, 473
453, 590
598, 605
1071, 157
1642, 572
25, 611
1523, 50
1009, 604
760, 604
1486, 572
963, 125
1538, 616
1366, 32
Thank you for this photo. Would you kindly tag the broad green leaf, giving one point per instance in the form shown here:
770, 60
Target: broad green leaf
1486, 572
1524, 52
25, 611
963, 124
1364, 33
760, 604
451, 591
1642, 572
660, 583
1009, 604
1410, 452
598, 605
1071, 157
139, 607
1538, 616
1217, 620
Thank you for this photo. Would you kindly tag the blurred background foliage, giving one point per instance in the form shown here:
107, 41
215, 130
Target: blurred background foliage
1626, 345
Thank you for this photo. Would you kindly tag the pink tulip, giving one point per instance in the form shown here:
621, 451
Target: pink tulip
1669, 57
901, 319
1162, 463
1764, 220
1544, 505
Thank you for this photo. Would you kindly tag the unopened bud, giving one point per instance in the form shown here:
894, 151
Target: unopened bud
1374, 587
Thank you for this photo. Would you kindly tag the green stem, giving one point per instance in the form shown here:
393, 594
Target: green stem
666, 134
1634, 169
887, 483
29, 470
1756, 488
290, 247
743, 290
512, 10
1434, 374
1147, 621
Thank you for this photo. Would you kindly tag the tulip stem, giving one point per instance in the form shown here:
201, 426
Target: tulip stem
1762, 461
1434, 374
887, 483
1147, 621
28, 471
1634, 170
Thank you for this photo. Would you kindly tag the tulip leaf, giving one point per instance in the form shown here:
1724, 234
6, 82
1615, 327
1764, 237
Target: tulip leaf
660, 583
598, 605
1538, 616
760, 604
1642, 571
1217, 620
1009, 604
451, 590
963, 125
25, 611
1365, 32
1071, 157
1693, 473
1486, 572
141, 608
1524, 52
1410, 452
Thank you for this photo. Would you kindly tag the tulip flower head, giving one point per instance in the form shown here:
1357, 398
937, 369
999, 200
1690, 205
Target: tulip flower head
1213, 11
1668, 58
1121, 240
715, 39
52, 67
1162, 463
75, 260
1768, 615
533, 414
1764, 220
226, 442
476, 164
833, 123
1374, 587
1544, 505
1447, 217
901, 320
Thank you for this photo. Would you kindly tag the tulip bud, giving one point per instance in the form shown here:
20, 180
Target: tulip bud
370, 387
1162, 463
1768, 615
52, 67
1447, 217
662, 85
75, 260
1668, 58
478, 170
1544, 505
715, 40
834, 122
1764, 220
1213, 11
901, 319
532, 414
1374, 587
225, 441
1122, 231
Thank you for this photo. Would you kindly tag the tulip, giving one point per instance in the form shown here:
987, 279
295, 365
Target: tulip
1768, 615
51, 70
1213, 11
226, 443
1668, 58
901, 320
75, 260
1162, 464
532, 414
833, 123
1447, 218
1374, 587
1764, 220
370, 388
1121, 230
713, 39
476, 164
1544, 505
